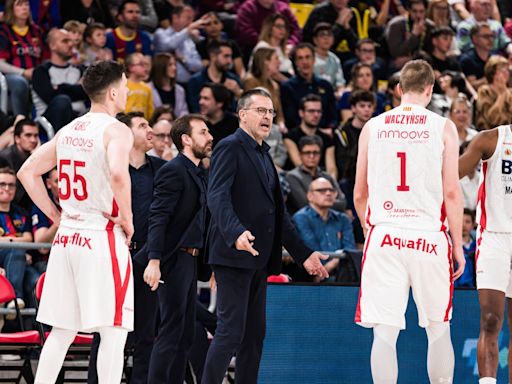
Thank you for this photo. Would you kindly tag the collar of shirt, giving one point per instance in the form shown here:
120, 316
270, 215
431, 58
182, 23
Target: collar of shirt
331, 216
198, 169
306, 172
264, 147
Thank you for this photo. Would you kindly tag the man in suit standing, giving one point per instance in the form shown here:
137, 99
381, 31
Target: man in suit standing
248, 227
177, 225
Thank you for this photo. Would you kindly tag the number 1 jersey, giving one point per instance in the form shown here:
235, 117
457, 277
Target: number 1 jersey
405, 159
84, 175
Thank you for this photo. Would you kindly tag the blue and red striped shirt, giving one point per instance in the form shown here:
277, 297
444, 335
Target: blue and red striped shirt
14, 223
23, 51
121, 46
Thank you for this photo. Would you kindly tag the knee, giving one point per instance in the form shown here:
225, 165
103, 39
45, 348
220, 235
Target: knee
61, 101
17, 83
17, 255
491, 322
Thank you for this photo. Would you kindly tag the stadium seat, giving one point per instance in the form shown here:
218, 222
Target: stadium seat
4, 92
301, 12
282, 278
21, 343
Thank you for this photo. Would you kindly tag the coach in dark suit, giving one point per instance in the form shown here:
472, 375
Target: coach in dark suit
177, 225
247, 230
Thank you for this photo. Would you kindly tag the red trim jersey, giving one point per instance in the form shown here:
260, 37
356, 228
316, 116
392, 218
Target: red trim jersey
22, 50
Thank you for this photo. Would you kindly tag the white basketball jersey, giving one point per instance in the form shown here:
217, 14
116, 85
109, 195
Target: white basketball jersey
405, 158
494, 208
84, 176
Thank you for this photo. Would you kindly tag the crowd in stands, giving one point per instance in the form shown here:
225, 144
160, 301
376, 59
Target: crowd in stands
328, 74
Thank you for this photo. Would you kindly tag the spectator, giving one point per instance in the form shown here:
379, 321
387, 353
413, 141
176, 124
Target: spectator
26, 138
43, 228
461, 113
300, 178
218, 72
22, 49
213, 32
140, 95
214, 102
407, 35
14, 227
451, 86
362, 79
147, 15
180, 38
46, 14
162, 143
327, 64
473, 61
481, 11
303, 83
250, 18
338, 14
320, 226
440, 58
494, 103
439, 12
274, 34
86, 12
264, 70
163, 84
366, 54
468, 278
127, 37
393, 94
76, 33
95, 38
162, 113
58, 95
310, 113
164, 10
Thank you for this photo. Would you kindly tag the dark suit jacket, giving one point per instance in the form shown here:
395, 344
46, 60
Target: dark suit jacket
176, 201
239, 199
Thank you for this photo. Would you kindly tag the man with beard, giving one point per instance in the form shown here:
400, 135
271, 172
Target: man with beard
218, 72
177, 225
57, 95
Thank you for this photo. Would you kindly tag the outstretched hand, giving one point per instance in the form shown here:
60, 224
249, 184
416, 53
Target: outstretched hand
313, 265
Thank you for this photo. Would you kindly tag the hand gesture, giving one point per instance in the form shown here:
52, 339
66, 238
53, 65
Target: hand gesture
232, 85
458, 257
245, 242
126, 225
418, 28
152, 274
314, 266
344, 17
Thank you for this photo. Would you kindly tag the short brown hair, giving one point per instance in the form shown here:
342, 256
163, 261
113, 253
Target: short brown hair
9, 11
492, 65
416, 76
182, 127
8, 171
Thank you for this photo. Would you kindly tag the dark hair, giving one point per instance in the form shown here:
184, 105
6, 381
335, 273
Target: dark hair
159, 66
258, 60
220, 93
412, 2
18, 128
457, 80
182, 127
245, 99
121, 7
310, 140
89, 30
302, 45
321, 27
99, 76
214, 47
176, 11
470, 213
475, 29
159, 111
441, 31
308, 98
266, 29
7, 170
359, 95
127, 118
366, 40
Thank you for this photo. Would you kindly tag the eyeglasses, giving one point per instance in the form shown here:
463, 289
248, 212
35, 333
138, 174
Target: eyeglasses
324, 33
263, 111
324, 190
313, 110
311, 153
367, 50
487, 36
162, 136
7, 186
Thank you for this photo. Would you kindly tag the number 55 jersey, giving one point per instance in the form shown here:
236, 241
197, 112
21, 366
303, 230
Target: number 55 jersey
405, 159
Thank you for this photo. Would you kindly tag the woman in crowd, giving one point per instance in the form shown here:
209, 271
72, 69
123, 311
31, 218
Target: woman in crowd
461, 114
274, 34
163, 83
22, 48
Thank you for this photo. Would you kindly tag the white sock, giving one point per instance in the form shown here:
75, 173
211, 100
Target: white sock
383, 358
53, 354
440, 357
111, 355
487, 380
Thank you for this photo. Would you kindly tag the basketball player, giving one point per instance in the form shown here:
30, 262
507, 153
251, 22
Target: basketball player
88, 286
407, 192
494, 241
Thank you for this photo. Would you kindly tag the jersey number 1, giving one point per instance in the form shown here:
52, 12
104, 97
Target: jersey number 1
403, 187
65, 178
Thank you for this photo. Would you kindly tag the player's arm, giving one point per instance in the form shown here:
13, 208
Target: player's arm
30, 175
361, 184
119, 142
452, 194
481, 147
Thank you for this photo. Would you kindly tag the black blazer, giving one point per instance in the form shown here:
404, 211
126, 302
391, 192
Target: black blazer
176, 201
239, 198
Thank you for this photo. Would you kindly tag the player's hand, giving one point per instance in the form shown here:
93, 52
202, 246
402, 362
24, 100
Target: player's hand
125, 224
314, 266
458, 257
245, 242
152, 274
